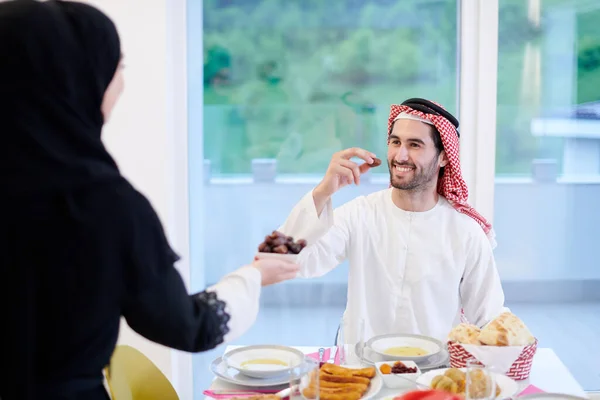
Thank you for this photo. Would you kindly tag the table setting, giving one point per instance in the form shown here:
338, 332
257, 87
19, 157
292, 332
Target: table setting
394, 365
498, 361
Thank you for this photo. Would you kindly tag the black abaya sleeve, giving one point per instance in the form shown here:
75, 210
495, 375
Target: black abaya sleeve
156, 303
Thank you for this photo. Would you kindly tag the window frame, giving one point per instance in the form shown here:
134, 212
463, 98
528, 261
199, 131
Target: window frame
478, 73
178, 216
478, 62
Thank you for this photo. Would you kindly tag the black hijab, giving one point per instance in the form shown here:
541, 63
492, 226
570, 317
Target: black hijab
57, 59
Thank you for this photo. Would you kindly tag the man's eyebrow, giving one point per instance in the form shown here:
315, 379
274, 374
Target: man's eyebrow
413, 140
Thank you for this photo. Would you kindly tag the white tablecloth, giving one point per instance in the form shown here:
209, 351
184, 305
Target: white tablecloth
547, 373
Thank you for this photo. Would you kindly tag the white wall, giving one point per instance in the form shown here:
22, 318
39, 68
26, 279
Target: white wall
147, 134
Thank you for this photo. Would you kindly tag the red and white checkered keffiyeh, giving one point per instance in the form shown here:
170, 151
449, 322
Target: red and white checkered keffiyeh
452, 185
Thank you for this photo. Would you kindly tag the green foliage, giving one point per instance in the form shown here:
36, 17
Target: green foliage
382, 51
588, 57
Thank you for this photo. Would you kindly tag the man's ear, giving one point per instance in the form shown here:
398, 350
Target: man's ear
443, 159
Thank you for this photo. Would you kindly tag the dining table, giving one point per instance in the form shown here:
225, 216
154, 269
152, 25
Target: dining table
548, 374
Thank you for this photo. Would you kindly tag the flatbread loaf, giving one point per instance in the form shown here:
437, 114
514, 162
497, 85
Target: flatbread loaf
506, 330
465, 334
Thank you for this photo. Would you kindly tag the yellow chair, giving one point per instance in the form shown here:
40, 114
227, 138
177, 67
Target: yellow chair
132, 376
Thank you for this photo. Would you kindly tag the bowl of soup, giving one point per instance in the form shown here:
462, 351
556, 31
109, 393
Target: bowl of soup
407, 347
264, 361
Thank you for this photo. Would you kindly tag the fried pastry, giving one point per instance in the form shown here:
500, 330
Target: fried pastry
311, 393
445, 384
337, 370
344, 379
359, 387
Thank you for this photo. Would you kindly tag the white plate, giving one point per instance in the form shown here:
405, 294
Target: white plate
379, 344
536, 396
374, 387
402, 393
550, 396
507, 386
442, 359
232, 375
288, 355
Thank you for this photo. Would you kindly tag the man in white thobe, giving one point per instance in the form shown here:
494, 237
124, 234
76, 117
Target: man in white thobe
418, 253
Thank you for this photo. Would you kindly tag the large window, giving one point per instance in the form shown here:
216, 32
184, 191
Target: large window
548, 173
285, 85
296, 81
282, 85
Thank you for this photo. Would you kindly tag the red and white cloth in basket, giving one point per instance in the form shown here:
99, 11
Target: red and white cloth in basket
513, 361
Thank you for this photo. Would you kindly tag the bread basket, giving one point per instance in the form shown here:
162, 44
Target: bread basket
519, 370
504, 344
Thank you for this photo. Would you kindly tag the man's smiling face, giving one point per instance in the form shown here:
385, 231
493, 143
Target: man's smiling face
414, 160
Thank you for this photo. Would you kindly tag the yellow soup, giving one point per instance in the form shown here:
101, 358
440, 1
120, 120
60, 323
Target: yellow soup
405, 351
264, 361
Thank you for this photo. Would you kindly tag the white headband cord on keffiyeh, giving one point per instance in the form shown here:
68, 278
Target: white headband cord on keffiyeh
406, 115
451, 185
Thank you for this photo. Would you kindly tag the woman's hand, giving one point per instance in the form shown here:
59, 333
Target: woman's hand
275, 271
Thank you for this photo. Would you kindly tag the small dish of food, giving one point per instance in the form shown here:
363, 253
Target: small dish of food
398, 374
280, 246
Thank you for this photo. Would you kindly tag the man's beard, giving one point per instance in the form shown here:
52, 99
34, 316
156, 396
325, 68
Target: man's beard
421, 179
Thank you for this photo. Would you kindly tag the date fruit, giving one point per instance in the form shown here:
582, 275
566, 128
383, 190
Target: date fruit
279, 243
376, 163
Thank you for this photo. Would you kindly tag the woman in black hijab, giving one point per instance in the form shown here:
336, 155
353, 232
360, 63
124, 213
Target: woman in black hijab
79, 246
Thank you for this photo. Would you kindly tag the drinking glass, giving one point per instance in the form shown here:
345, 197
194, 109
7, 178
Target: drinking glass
350, 341
304, 380
480, 383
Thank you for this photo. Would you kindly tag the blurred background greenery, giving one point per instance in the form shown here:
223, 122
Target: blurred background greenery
297, 80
